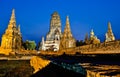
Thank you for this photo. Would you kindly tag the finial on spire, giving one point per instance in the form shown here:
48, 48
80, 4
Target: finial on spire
109, 25
67, 22
13, 13
67, 18
92, 32
67, 31
42, 39
12, 20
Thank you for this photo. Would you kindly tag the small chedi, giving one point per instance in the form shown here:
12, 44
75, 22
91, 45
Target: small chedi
109, 35
54, 35
11, 39
67, 40
93, 38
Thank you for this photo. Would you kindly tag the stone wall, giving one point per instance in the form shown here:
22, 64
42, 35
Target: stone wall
106, 47
112, 47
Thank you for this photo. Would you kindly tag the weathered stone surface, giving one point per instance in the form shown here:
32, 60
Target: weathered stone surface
67, 40
38, 63
109, 35
54, 35
55, 28
6, 51
93, 38
106, 47
12, 38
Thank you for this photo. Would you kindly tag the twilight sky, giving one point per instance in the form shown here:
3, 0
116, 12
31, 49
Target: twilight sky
34, 16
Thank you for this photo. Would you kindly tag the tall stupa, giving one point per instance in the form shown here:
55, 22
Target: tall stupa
12, 38
67, 40
109, 35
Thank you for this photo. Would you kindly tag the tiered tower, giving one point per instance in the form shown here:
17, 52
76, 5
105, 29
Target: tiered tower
12, 38
54, 35
55, 28
67, 40
109, 35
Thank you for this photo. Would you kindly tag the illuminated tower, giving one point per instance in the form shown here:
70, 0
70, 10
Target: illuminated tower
12, 38
55, 28
54, 35
109, 35
67, 40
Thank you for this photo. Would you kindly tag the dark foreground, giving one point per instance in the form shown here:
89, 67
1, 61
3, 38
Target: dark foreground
23, 68
53, 70
15, 69
108, 59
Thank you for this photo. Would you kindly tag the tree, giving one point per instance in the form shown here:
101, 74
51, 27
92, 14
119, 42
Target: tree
79, 43
29, 45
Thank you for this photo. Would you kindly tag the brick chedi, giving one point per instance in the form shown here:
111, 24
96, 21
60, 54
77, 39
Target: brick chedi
67, 40
12, 38
109, 35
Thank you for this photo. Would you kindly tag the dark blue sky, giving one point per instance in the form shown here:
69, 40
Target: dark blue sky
34, 16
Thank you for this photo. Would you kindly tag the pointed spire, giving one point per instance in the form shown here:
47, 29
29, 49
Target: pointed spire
13, 12
42, 39
92, 32
12, 21
67, 27
67, 39
13, 16
109, 26
109, 35
67, 31
67, 22
67, 19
